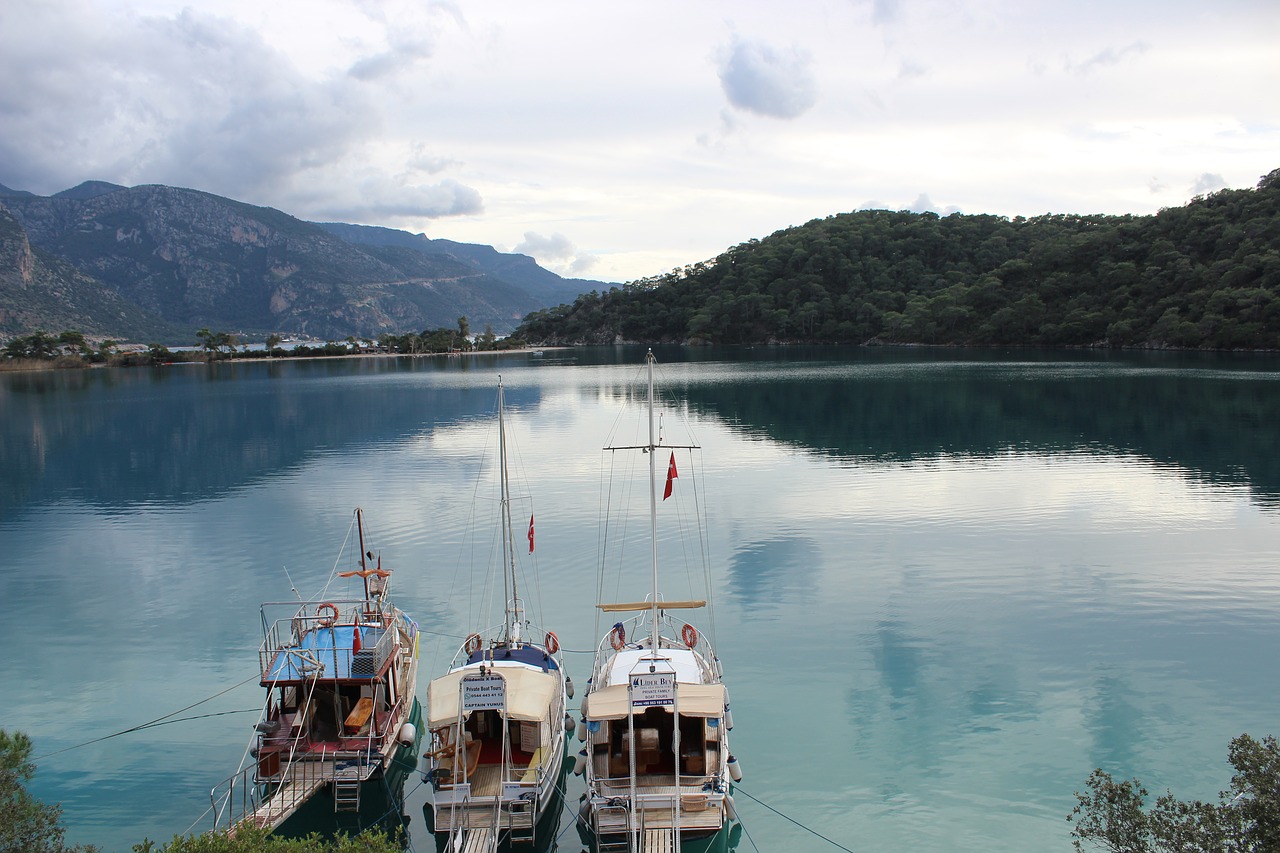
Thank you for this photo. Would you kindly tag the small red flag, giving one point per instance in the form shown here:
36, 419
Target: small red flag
356, 645
530, 534
671, 475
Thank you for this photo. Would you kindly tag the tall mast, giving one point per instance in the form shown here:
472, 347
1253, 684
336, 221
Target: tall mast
653, 513
510, 595
364, 569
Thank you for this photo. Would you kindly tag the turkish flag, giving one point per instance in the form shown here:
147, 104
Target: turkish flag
671, 475
530, 534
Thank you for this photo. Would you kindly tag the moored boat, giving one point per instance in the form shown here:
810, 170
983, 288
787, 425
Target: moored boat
341, 726
655, 718
497, 719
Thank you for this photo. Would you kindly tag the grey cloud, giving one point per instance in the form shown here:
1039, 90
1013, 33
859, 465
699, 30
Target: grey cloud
1104, 58
1207, 183
447, 198
193, 100
770, 82
556, 252
924, 204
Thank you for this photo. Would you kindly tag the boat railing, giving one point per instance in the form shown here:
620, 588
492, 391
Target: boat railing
286, 635
266, 799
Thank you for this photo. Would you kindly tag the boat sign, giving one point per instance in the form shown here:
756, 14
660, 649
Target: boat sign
653, 688
483, 693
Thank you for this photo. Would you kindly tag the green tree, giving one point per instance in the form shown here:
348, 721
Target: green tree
1246, 818
273, 343
26, 824
253, 840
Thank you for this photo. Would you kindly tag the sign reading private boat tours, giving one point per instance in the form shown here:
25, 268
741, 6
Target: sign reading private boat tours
483, 693
653, 688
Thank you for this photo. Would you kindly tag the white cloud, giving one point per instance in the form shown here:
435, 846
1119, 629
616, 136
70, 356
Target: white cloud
480, 122
556, 252
761, 79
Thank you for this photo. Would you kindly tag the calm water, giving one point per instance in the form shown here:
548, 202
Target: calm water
950, 584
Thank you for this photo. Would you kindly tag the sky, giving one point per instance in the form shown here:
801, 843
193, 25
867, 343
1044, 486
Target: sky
620, 140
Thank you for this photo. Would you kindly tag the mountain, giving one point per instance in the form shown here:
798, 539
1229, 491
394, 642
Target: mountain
520, 270
39, 291
1204, 275
189, 259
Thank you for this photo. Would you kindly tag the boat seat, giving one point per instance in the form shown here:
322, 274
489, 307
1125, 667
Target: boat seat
359, 716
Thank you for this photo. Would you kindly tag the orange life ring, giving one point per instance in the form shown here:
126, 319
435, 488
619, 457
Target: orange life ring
618, 637
473, 644
325, 623
690, 635
552, 642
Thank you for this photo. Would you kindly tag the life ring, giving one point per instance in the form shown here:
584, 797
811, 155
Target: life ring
552, 642
327, 622
618, 637
690, 635
473, 644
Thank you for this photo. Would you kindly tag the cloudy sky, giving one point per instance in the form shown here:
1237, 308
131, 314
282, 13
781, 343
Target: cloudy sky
615, 140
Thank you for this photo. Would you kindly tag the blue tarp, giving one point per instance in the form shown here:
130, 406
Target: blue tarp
331, 647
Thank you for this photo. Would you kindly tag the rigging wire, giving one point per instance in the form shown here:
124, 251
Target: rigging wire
738, 789
157, 721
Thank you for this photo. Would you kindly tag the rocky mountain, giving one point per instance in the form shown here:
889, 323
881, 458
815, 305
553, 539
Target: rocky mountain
41, 291
186, 259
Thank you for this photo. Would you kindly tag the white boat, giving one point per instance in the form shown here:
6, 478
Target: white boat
497, 719
341, 727
655, 719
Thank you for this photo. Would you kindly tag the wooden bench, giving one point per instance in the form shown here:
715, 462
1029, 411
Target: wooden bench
359, 716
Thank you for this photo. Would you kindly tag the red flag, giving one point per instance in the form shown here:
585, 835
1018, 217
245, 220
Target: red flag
530, 534
356, 645
671, 475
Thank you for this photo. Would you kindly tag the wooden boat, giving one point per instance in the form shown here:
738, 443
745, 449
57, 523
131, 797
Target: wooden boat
341, 726
655, 719
497, 718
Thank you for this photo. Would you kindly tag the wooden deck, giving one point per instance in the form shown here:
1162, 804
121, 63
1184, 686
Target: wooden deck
306, 781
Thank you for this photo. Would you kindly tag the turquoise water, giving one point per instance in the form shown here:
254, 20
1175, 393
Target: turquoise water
949, 583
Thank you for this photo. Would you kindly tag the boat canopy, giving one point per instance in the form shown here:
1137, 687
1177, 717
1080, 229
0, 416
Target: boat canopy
695, 700
529, 694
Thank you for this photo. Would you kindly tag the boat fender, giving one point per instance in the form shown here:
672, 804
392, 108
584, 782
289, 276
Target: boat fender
582, 729
729, 810
326, 621
552, 642
618, 636
735, 769
473, 644
568, 722
407, 735
728, 717
268, 727
568, 685
580, 763
584, 810
690, 635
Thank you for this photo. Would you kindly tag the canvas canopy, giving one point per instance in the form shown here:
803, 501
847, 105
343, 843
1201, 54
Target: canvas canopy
529, 694
695, 700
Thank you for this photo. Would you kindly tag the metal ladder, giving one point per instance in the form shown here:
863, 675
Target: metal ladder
521, 834
346, 790
623, 844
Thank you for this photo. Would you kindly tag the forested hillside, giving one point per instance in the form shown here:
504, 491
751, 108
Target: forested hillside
1203, 275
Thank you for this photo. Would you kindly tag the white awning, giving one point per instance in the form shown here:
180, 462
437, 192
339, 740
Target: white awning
695, 700
530, 694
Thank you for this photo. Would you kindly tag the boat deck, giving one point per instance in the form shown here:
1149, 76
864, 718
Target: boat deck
305, 780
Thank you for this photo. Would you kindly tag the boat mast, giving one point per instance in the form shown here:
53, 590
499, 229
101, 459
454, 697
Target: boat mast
653, 514
364, 569
510, 595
